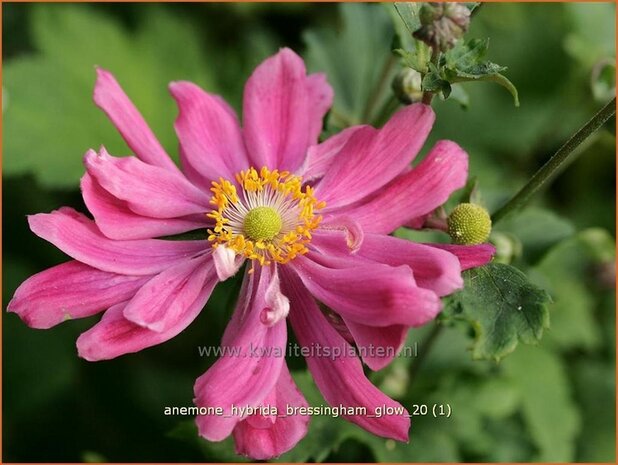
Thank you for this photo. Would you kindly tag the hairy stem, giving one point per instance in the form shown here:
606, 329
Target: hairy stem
548, 171
435, 58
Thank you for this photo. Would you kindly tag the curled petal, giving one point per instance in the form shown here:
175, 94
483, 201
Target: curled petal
109, 96
70, 290
227, 262
353, 232
277, 305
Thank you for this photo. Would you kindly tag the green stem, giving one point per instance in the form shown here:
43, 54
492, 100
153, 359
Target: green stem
548, 171
423, 350
435, 59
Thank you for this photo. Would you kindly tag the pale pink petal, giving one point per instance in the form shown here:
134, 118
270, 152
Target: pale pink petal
378, 345
148, 190
321, 156
78, 237
272, 440
469, 256
243, 376
70, 290
277, 305
210, 136
341, 226
164, 299
372, 158
227, 262
341, 380
109, 96
415, 193
117, 221
114, 335
365, 292
433, 269
282, 111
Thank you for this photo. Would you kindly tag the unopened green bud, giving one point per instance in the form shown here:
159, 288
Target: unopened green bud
442, 24
407, 86
469, 224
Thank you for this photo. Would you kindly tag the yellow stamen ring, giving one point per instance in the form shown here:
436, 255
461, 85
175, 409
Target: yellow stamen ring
270, 221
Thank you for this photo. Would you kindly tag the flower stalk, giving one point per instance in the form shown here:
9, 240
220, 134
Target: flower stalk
550, 169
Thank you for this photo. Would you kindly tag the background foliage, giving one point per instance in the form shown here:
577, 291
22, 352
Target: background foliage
554, 401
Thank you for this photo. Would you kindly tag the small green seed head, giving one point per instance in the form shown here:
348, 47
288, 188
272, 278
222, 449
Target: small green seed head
262, 224
469, 224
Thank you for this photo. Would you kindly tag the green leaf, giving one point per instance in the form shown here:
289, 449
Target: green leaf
433, 82
464, 63
409, 14
355, 62
503, 307
51, 120
548, 410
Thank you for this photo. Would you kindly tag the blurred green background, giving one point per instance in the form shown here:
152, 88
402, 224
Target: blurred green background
550, 402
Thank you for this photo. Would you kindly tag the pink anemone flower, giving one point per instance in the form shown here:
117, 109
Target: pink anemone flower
311, 220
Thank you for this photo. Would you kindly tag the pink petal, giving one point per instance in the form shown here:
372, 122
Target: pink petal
282, 111
368, 293
279, 437
109, 96
243, 376
209, 134
415, 193
469, 256
70, 290
321, 156
371, 158
378, 346
117, 221
114, 335
78, 237
341, 381
148, 190
439, 272
164, 299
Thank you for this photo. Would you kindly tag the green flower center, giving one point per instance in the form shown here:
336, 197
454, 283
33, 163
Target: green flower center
469, 224
262, 224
